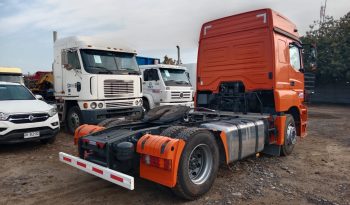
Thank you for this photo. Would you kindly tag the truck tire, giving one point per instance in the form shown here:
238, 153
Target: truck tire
172, 131
199, 163
73, 119
145, 105
166, 113
290, 136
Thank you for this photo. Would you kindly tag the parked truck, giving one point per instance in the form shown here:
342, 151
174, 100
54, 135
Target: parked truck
11, 74
95, 80
166, 85
250, 93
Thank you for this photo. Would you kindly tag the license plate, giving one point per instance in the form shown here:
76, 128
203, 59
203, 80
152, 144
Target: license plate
31, 134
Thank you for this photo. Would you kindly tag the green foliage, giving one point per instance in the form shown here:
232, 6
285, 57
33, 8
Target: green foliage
168, 60
332, 38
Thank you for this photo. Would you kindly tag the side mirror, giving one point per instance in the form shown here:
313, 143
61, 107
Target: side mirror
39, 97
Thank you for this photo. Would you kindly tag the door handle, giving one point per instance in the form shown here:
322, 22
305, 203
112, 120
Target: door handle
292, 83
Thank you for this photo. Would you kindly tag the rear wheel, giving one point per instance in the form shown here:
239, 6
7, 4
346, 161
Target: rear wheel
73, 119
199, 163
290, 136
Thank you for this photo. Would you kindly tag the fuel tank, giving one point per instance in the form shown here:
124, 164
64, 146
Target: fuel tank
241, 137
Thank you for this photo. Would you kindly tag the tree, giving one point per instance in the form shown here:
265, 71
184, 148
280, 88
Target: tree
332, 38
168, 60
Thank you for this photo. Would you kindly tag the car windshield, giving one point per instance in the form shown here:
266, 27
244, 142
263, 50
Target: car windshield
109, 62
175, 77
15, 92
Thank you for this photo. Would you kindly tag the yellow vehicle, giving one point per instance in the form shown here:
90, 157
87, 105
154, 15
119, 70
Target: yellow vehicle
9, 74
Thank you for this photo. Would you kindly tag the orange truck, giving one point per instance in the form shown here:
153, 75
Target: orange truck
249, 99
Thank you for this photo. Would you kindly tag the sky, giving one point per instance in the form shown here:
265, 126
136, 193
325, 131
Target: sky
152, 27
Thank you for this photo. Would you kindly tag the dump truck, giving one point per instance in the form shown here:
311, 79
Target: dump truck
94, 80
11, 74
249, 100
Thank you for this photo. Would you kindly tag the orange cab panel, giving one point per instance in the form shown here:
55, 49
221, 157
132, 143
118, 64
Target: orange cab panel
159, 158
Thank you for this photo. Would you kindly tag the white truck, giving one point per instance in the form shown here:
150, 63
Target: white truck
94, 80
166, 85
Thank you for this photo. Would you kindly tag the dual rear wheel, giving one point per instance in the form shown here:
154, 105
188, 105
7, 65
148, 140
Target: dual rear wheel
199, 162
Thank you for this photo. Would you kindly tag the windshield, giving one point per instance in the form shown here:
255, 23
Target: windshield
109, 62
11, 78
174, 77
15, 92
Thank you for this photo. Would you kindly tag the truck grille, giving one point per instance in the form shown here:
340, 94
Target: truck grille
117, 88
180, 95
28, 118
119, 104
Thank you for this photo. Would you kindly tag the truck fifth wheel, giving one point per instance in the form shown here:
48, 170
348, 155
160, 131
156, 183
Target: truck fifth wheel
249, 99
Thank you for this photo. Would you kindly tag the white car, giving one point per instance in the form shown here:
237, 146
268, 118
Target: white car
23, 117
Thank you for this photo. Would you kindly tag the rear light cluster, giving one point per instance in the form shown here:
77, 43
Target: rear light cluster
157, 162
99, 145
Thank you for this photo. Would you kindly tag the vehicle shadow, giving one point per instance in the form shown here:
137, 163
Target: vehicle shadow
20, 147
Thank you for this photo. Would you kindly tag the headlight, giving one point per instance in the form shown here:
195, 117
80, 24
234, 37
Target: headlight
100, 105
3, 116
93, 105
138, 102
52, 111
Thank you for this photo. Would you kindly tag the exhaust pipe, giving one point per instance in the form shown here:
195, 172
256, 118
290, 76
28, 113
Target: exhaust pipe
54, 36
178, 55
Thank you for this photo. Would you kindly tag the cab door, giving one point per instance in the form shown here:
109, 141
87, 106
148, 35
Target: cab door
151, 84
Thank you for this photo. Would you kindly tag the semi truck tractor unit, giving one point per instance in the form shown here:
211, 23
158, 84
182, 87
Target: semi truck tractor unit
95, 80
166, 85
249, 100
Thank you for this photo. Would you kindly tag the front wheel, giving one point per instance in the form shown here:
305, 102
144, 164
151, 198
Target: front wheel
290, 136
73, 119
199, 163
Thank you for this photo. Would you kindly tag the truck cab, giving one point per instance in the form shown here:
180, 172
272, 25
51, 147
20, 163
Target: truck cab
12, 75
166, 85
95, 80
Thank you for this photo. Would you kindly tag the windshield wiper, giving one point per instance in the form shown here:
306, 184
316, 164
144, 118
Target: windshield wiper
103, 68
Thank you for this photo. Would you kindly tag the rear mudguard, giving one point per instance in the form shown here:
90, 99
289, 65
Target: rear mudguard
85, 129
158, 149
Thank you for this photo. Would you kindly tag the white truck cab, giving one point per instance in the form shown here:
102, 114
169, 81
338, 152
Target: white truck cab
166, 85
95, 80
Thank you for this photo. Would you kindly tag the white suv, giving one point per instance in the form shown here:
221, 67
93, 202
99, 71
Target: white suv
23, 117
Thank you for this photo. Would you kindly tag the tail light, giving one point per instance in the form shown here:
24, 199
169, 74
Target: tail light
157, 162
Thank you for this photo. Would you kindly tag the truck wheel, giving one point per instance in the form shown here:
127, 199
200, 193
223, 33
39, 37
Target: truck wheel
199, 163
73, 119
172, 131
290, 136
145, 105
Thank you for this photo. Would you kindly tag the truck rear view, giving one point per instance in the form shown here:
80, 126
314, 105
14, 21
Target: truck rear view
249, 100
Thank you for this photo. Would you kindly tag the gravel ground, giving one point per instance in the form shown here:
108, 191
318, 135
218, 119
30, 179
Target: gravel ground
316, 173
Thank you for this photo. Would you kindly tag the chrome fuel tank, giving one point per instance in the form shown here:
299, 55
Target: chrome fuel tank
244, 137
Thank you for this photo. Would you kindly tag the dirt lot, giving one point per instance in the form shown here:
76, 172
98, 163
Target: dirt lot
318, 172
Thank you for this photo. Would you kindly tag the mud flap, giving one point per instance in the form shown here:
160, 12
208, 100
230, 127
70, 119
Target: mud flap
159, 158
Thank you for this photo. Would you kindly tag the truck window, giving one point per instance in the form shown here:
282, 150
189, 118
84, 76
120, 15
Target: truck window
109, 62
175, 77
150, 75
73, 59
294, 56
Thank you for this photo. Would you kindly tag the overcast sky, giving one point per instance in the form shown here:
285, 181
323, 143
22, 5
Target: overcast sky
152, 27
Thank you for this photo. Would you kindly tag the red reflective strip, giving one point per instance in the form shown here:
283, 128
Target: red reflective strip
117, 178
81, 164
67, 159
97, 170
